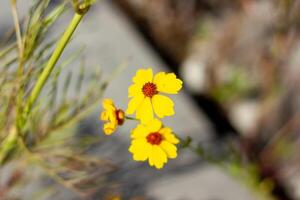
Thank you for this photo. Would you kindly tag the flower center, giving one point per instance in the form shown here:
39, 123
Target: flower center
120, 116
149, 89
154, 138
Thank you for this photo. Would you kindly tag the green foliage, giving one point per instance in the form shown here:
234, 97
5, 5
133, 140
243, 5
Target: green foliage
45, 135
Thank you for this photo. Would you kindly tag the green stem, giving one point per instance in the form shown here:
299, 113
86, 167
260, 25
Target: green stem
52, 61
131, 118
10, 142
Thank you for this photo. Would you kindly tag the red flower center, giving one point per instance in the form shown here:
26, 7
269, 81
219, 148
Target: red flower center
154, 138
149, 89
120, 116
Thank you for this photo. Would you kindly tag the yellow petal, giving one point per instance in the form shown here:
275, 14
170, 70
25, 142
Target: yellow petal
157, 157
109, 115
140, 149
134, 103
169, 148
143, 76
163, 106
112, 117
135, 90
168, 135
145, 112
139, 132
153, 125
108, 104
104, 116
109, 128
167, 83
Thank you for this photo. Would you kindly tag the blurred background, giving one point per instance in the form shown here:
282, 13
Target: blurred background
240, 63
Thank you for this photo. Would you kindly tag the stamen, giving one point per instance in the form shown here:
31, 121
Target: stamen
120, 116
149, 89
154, 138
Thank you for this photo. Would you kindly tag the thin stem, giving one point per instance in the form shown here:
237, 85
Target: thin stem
52, 61
34, 157
131, 118
11, 140
7, 50
17, 27
8, 144
21, 52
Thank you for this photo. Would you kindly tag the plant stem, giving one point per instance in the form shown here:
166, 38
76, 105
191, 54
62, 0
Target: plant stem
10, 142
7, 50
52, 61
20, 71
17, 27
131, 118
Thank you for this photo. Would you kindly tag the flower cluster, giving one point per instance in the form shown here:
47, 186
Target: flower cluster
151, 140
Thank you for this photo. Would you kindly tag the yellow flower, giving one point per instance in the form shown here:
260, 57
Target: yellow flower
112, 115
146, 94
154, 142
